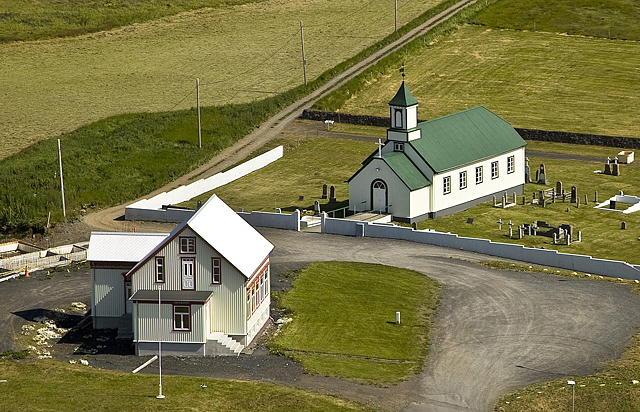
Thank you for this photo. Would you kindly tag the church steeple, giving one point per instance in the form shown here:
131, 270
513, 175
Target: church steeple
404, 115
404, 109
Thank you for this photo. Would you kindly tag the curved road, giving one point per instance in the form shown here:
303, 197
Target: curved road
494, 330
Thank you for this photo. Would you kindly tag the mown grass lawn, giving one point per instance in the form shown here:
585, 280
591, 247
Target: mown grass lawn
344, 320
307, 164
533, 80
241, 53
54, 386
616, 19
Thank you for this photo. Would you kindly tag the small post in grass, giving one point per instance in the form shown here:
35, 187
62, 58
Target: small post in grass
397, 318
573, 384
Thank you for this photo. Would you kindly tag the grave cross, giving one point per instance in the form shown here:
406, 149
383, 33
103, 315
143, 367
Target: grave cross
499, 222
380, 144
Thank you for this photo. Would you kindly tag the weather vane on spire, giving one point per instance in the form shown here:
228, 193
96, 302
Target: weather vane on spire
402, 71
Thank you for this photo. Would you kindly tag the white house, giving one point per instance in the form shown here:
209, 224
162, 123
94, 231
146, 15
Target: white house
213, 275
438, 167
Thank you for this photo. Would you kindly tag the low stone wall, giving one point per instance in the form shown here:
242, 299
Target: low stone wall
546, 257
527, 134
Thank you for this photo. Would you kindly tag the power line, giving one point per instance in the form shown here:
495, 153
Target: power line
184, 98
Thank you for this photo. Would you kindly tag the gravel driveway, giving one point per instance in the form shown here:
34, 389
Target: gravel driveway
494, 330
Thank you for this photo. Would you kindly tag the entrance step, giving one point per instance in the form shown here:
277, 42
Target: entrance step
219, 344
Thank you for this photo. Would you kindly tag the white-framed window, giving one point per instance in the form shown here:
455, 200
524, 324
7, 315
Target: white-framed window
181, 317
216, 270
494, 170
159, 269
187, 245
446, 184
511, 164
463, 180
398, 147
478, 175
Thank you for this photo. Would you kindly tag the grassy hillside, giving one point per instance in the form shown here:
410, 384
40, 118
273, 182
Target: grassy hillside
344, 320
240, 53
33, 20
533, 80
44, 386
617, 19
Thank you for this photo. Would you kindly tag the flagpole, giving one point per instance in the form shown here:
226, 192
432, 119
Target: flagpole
160, 395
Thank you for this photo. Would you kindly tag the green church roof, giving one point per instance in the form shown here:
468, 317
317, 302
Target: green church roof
403, 98
465, 137
406, 170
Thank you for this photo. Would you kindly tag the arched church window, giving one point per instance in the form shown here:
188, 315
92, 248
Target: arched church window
379, 185
398, 119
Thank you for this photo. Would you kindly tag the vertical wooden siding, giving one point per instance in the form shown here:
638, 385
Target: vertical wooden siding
147, 324
109, 294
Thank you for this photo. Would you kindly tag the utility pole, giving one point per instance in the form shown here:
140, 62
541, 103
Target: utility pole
198, 104
396, 20
64, 210
304, 62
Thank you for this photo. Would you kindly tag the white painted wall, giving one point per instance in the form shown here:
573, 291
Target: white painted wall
360, 189
145, 324
473, 190
108, 292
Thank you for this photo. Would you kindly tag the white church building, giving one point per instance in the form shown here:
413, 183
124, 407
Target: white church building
438, 167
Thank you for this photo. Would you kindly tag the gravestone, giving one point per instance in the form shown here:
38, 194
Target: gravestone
414, 225
514, 198
586, 199
558, 187
615, 169
494, 201
623, 226
527, 171
537, 175
596, 197
574, 194
278, 210
500, 224
324, 191
316, 206
607, 168
578, 202
332, 194
198, 204
542, 176
300, 198
241, 209
470, 220
612, 204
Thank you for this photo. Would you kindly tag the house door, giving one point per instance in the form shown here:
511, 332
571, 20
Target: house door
379, 196
188, 274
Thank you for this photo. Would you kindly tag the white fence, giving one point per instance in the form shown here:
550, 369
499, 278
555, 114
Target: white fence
275, 220
546, 257
152, 209
60, 255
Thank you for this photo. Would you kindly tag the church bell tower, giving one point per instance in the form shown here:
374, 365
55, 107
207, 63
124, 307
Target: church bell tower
404, 116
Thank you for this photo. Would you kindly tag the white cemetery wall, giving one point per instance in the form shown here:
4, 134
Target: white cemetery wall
274, 220
544, 257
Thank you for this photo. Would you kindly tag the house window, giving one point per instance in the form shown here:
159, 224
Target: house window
446, 184
511, 164
463, 180
398, 147
494, 170
160, 269
478, 175
216, 271
187, 245
181, 318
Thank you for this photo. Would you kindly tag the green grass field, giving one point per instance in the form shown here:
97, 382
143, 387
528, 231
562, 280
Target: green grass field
326, 161
616, 19
533, 80
348, 329
54, 386
35, 20
240, 53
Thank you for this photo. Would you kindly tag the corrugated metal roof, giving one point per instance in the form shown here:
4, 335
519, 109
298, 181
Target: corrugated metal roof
403, 98
406, 170
465, 137
122, 247
226, 232
172, 295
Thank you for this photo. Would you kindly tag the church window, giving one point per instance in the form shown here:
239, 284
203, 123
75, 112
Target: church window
398, 119
446, 184
478, 175
398, 147
511, 164
463, 180
494, 170
379, 185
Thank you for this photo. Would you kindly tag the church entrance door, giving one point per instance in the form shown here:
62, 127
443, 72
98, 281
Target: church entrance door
379, 196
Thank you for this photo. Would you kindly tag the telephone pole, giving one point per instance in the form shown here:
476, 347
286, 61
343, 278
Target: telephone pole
396, 16
304, 62
64, 210
198, 104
